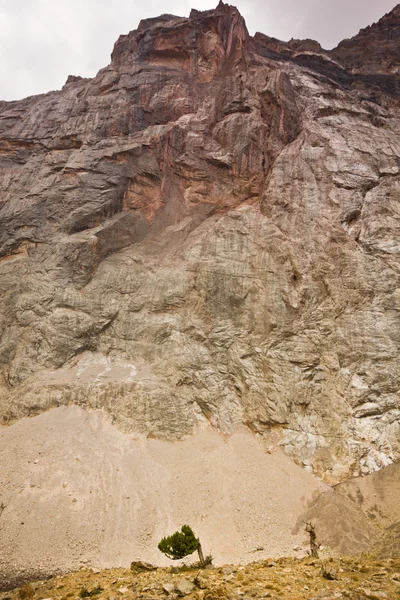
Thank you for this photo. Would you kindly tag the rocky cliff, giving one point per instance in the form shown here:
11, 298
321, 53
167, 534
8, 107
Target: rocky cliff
208, 231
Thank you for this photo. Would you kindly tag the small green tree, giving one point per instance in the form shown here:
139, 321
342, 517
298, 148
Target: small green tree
181, 544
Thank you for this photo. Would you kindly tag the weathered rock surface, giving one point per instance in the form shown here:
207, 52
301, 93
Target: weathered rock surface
375, 49
208, 231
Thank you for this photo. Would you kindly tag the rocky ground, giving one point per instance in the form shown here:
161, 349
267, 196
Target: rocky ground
363, 578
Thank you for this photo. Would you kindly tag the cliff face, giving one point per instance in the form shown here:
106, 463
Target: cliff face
208, 230
375, 49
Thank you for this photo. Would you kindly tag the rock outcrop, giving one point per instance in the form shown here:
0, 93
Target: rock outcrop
375, 50
208, 231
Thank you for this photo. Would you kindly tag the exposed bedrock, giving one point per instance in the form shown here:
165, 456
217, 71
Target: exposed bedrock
208, 231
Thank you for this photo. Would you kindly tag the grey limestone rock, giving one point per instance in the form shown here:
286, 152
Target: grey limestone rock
208, 231
184, 587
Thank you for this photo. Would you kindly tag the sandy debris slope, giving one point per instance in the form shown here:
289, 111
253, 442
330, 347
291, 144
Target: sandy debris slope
361, 514
378, 494
78, 491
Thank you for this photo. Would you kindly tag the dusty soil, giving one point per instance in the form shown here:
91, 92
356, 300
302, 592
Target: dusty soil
378, 494
353, 578
79, 492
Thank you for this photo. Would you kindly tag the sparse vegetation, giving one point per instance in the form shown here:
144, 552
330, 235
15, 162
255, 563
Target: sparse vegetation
183, 543
84, 593
352, 578
26, 591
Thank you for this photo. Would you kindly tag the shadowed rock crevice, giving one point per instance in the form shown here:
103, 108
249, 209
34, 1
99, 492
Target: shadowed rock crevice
220, 212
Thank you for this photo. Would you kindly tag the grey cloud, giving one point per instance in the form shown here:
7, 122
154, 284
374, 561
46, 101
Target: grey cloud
43, 41
323, 20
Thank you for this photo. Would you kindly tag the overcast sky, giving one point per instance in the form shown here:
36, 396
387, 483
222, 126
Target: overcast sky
43, 41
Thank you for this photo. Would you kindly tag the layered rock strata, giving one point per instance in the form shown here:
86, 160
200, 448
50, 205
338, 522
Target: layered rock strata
208, 231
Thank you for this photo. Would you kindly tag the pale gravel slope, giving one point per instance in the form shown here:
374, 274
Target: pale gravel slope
78, 491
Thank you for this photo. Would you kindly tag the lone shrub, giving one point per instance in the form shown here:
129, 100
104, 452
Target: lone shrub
84, 593
181, 544
26, 591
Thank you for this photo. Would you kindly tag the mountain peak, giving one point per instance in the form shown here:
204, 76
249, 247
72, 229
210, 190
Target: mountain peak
375, 49
200, 44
